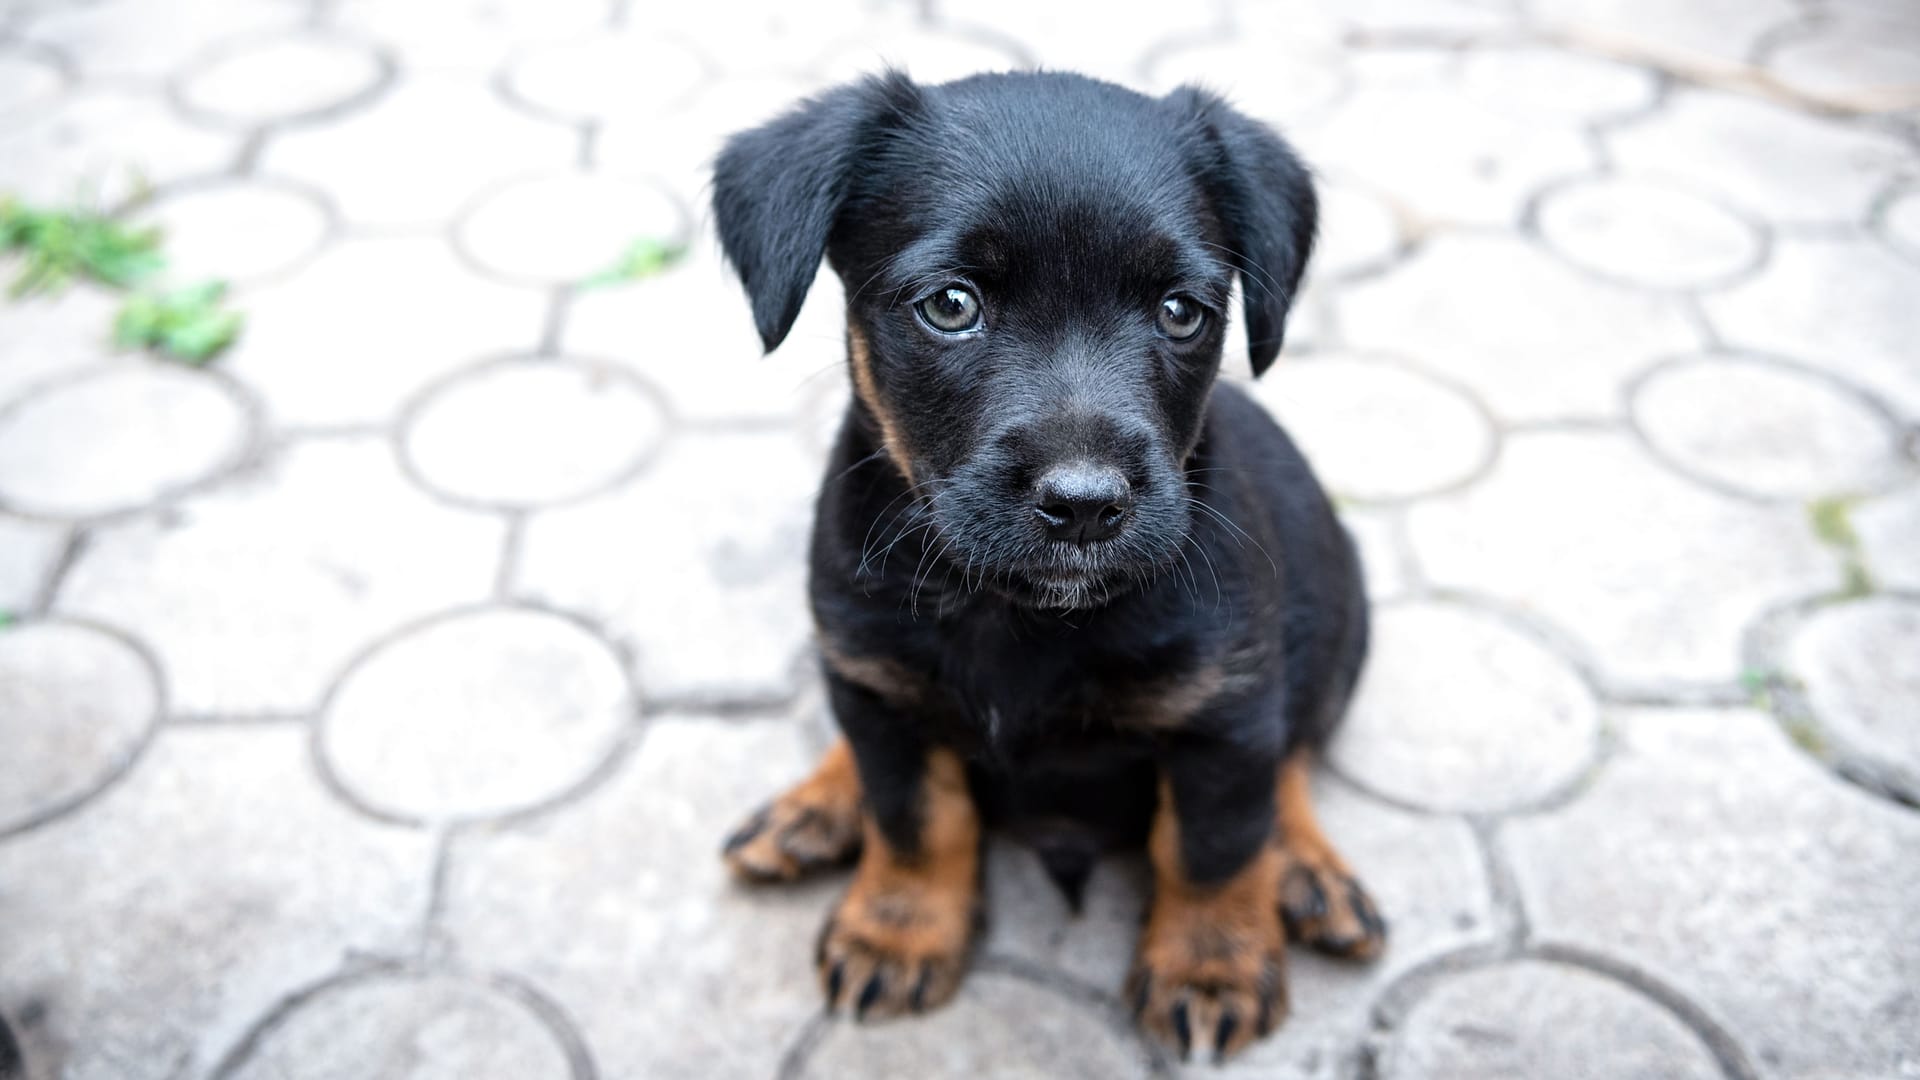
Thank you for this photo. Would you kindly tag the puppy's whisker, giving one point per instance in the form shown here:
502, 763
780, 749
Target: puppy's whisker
922, 527
1242, 533
913, 514
1211, 572
848, 471
913, 593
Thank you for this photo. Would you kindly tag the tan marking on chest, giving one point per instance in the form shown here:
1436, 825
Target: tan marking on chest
891, 680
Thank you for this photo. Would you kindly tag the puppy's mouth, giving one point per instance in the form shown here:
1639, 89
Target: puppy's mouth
1066, 587
1073, 577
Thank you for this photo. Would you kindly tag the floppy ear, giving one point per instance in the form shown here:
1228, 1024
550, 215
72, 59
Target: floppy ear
1264, 196
777, 190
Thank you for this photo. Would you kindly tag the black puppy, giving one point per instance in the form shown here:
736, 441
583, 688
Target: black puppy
1063, 581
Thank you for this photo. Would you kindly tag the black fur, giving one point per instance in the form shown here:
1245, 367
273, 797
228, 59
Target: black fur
1072, 209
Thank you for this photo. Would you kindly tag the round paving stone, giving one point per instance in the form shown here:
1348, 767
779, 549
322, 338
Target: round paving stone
394, 1026
529, 432
1765, 430
480, 713
1456, 712
1376, 430
1533, 1019
115, 439
237, 230
282, 79
75, 705
1857, 663
996, 1026
1647, 233
561, 229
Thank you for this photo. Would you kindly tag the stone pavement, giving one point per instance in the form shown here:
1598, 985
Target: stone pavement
374, 701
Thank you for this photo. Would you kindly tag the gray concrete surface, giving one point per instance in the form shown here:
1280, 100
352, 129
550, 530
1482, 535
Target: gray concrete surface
372, 702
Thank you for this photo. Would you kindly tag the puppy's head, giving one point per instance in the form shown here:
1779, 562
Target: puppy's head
1037, 269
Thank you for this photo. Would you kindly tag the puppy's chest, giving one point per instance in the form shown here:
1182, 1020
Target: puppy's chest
1027, 701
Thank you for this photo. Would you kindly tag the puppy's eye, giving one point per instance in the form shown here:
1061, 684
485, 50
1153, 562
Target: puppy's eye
1181, 318
952, 310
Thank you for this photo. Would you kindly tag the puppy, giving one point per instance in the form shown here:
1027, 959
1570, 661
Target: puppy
1064, 582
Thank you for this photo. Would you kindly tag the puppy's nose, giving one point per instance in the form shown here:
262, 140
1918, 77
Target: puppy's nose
1082, 502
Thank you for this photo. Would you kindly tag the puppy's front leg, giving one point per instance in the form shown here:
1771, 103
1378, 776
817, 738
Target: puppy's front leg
1210, 967
899, 939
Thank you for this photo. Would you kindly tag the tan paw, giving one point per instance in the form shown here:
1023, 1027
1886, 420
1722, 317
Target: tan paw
895, 947
1325, 907
787, 839
815, 825
1201, 982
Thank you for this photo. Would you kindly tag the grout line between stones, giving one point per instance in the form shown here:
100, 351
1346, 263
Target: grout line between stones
1783, 697
515, 529
72, 546
558, 1022
800, 1050
432, 931
554, 326
162, 692
1727, 1052
1512, 927
1101, 1003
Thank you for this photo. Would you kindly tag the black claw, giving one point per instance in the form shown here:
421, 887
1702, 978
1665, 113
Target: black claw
917, 1001
1307, 901
868, 995
834, 979
820, 943
1229, 1023
806, 818
1272, 987
1183, 1030
753, 827
1371, 922
1341, 945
